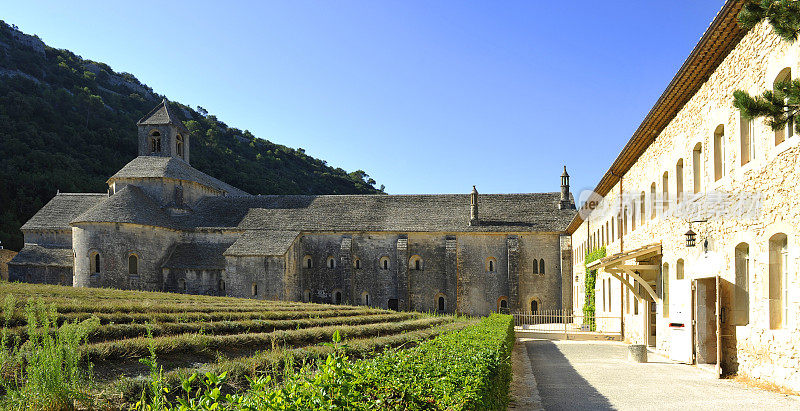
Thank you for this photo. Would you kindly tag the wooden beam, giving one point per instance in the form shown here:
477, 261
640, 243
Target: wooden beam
642, 283
625, 282
641, 267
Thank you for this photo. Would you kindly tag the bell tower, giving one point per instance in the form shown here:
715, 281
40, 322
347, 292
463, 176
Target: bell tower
162, 134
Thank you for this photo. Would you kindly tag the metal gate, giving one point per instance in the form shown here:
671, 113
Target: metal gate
566, 324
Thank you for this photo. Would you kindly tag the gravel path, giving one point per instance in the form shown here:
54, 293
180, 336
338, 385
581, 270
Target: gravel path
594, 375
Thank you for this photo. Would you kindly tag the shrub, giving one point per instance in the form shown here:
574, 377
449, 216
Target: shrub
44, 373
468, 369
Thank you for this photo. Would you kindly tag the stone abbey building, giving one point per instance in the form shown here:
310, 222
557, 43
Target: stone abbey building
165, 226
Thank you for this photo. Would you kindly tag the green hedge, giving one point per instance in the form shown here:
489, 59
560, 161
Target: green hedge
468, 369
465, 370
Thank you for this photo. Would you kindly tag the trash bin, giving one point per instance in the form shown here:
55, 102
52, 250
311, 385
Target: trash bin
637, 353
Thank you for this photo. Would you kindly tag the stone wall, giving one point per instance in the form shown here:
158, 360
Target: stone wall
55, 238
185, 281
115, 242
258, 277
453, 266
772, 178
163, 190
41, 274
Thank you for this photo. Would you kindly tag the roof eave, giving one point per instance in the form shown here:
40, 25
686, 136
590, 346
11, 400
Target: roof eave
695, 71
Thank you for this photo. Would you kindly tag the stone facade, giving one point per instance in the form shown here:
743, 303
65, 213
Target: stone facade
751, 344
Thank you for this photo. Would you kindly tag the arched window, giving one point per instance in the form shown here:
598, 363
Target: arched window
679, 180
490, 264
697, 167
133, 265
602, 236
357, 264
254, 289
179, 145
679, 269
222, 285
416, 263
308, 262
307, 296
331, 262
337, 297
625, 220
181, 285
665, 192
653, 201
719, 152
365, 298
534, 306
94, 263
778, 281
741, 294
535, 266
788, 131
613, 227
641, 208
746, 139
664, 289
440, 303
541, 266
384, 263
502, 304
155, 142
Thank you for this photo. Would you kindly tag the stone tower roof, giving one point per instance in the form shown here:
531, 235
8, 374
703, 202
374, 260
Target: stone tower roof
161, 115
173, 168
129, 205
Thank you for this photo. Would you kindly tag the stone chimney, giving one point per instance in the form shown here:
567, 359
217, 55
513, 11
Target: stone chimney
565, 202
473, 207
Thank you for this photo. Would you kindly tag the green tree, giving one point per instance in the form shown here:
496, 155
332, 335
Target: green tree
779, 107
783, 15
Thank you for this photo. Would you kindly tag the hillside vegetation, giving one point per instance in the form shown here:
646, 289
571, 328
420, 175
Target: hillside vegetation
244, 339
67, 123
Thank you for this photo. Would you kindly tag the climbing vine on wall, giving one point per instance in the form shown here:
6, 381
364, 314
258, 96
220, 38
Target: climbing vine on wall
591, 276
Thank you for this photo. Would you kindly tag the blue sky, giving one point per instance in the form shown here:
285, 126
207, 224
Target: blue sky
426, 97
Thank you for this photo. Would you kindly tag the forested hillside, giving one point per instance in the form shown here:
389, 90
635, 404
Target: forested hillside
68, 124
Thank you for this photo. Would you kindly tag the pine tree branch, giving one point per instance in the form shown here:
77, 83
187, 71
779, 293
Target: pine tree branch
783, 15
777, 106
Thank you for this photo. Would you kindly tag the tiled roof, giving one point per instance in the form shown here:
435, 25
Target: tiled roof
170, 167
262, 242
32, 254
129, 205
161, 115
61, 209
197, 256
425, 213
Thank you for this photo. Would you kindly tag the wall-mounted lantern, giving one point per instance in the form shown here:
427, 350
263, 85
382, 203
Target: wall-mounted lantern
690, 237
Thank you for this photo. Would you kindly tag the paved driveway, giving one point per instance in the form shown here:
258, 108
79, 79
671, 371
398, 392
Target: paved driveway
583, 375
